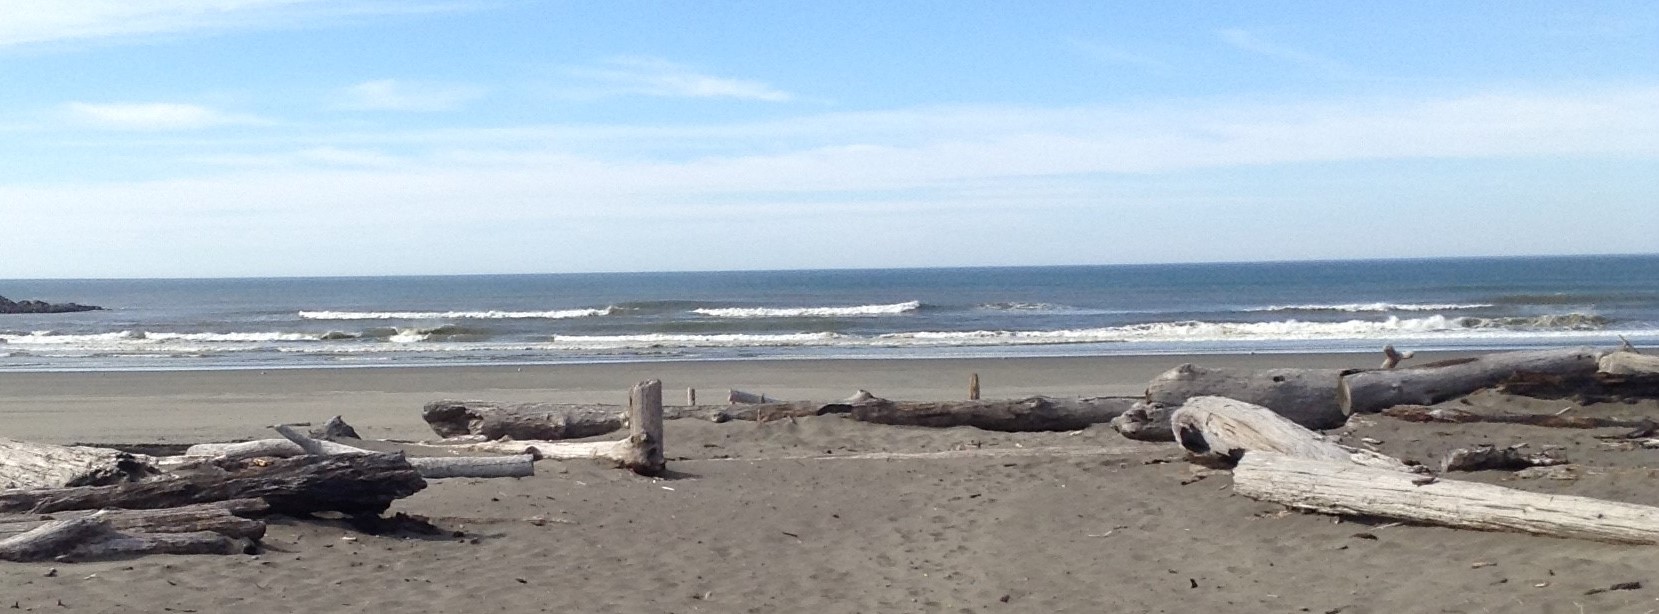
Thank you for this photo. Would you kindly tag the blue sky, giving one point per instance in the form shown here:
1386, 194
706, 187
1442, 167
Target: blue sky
199, 138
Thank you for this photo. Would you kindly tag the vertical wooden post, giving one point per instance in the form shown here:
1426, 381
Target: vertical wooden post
645, 429
691, 397
973, 387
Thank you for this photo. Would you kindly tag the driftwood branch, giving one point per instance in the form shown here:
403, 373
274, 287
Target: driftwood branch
25, 464
1419, 413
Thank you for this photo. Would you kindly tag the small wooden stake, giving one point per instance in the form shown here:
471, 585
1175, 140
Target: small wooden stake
973, 387
691, 397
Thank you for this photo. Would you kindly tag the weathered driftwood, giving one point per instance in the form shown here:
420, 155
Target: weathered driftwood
25, 464
1392, 357
543, 421
335, 429
644, 451
1628, 363
350, 483
1372, 391
1419, 413
1218, 430
1021, 415
1305, 396
1145, 422
230, 518
91, 537
1351, 489
739, 397
432, 468
1489, 457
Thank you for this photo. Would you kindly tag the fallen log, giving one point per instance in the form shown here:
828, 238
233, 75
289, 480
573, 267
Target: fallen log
1619, 376
1218, 431
230, 518
1145, 422
544, 421
1306, 396
1022, 415
1628, 363
1373, 391
432, 468
1419, 413
25, 464
349, 483
1347, 488
90, 537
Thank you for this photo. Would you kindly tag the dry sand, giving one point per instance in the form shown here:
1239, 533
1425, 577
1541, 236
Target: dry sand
808, 516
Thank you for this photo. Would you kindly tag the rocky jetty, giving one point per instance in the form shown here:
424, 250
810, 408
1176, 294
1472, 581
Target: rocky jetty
10, 306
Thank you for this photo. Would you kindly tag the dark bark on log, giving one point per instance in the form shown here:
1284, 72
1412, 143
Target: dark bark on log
541, 421
115, 545
1306, 396
1023, 415
1373, 391
1419, 413
334, 430
354, 484
25, 464
1585, 388
1145, 422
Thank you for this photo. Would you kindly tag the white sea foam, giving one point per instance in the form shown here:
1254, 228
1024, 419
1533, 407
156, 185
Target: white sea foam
1374, 307
810, 312
561, 314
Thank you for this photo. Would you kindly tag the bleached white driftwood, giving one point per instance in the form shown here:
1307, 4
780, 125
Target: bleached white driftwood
1372, 391
739, 397
516, 466
26, 464
1351, 489
1218, 430
1628, 363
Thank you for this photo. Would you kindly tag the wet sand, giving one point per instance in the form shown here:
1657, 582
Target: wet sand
807, 515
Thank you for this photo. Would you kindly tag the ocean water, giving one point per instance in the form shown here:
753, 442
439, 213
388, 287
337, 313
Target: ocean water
1431, 304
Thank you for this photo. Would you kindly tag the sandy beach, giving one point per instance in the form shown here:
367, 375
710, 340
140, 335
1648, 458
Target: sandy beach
811, 515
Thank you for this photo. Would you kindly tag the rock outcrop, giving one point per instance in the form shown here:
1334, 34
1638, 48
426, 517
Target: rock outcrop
11, 306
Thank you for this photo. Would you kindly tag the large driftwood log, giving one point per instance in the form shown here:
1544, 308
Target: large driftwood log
643, 453
26, 464
1619, 376
1352, 489
544, 421
1419, 413
1219, 430
1022, 415
350, 483
91, 537
1145, 422
1372, 391
230, 518
1305, 396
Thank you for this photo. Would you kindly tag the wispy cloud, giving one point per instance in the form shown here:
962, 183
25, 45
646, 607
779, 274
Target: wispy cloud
26, 22
1246, 41
645, 76
1108, 54
393, 95
154, 116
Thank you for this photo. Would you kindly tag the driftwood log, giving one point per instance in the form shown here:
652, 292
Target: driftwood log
1489, 457
1306, 396
1373, 391
25, 464
232, 518
1419, 413
1619, 376
92, 537
1022, 415
352, 483
1218, 431
1352, 489
1145, 422
543, 421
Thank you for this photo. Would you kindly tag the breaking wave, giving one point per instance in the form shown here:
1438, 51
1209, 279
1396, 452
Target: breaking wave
1018, 306
1374, 307
561, 314
810, 312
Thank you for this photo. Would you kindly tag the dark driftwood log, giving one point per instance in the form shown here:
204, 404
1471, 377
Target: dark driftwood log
1372, 391
1352, 489
1419, 413
1022, 415
25, 464
90, 537
335, 429
1305, 396
542, 421
230, 518
1145, 422
352, 483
